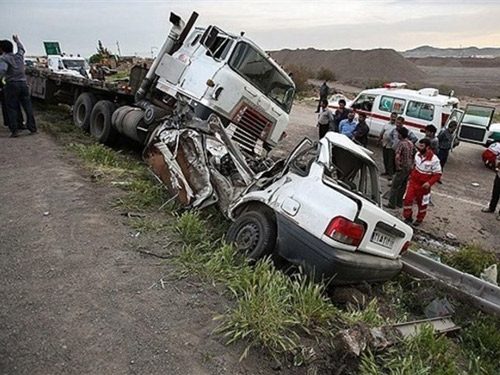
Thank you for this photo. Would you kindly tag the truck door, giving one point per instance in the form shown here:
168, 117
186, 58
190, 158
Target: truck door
475, 123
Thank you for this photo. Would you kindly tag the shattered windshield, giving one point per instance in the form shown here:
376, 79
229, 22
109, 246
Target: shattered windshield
354, 173
257, 69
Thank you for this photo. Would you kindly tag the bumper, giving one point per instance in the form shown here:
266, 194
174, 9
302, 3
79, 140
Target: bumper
323, 261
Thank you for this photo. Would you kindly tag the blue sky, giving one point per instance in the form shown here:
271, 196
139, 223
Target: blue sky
139, 26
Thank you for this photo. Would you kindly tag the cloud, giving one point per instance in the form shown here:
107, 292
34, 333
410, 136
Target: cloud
140, 25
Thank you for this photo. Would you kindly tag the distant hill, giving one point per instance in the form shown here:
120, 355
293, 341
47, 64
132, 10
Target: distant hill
428, 51
354, 66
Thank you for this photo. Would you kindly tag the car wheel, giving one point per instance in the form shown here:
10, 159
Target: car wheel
100, 122
253, 233
82, 110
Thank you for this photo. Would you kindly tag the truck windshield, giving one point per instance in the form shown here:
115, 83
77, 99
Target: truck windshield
261, 73
74, 64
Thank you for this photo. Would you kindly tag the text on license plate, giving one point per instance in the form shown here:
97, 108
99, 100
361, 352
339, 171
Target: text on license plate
382, 239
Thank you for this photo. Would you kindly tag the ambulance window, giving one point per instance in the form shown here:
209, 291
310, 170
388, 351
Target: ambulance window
423, 111
390, 104
364, 102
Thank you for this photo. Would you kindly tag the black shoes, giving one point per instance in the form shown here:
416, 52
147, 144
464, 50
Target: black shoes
408, 221
417, 223
487, 210
14, 134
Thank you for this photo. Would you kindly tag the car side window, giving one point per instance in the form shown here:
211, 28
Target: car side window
364, 102
303, 161
423, 111
391, 104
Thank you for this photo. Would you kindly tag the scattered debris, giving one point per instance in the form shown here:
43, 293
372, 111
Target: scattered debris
359, 338
475, 184
451, 236
133, 214
146, 252
46, 213
429, 254
120, 183
490, 274
439, 308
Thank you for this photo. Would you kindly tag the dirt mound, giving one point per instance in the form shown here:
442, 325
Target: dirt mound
354, 66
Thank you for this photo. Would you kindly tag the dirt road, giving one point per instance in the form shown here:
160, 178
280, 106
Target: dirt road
457, 203
77, 296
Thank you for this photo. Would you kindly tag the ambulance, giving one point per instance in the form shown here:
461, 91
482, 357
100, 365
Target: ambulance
419, 107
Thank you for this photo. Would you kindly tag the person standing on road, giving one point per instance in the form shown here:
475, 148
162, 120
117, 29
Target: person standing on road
324, 90
425, 173
386, 142
430, 134
348, 125
16, 90
5, 116
445, 139
341, 113
325, 118
360, 133
403, 165
495, 193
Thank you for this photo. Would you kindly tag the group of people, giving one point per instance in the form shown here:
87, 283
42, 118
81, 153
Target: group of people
14, 89
342, 121
412, 166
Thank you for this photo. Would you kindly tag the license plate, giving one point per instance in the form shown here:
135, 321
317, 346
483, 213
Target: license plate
382, 239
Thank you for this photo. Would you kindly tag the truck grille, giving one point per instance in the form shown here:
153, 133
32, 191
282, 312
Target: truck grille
250, 129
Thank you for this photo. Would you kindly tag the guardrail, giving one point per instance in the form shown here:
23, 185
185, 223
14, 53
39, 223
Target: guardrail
482, 294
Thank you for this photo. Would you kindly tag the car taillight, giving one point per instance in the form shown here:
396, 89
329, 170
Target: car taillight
405, 248
345, 231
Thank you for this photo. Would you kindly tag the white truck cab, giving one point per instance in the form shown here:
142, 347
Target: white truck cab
69, 65
419, 107
230, 75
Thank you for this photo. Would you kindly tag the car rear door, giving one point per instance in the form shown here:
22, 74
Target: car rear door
475, 123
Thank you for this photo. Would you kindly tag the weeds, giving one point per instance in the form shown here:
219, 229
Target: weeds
145, 224
424, 353
471, 259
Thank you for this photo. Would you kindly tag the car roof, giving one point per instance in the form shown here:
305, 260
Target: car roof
344, 142
413, 94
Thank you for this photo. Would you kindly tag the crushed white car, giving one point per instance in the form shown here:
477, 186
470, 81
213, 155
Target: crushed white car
319, 208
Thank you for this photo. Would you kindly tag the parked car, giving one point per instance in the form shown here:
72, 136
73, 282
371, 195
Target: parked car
319, 208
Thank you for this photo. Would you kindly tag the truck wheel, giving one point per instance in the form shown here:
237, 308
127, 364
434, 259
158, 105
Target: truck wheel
253, 233
83, 109
100, 122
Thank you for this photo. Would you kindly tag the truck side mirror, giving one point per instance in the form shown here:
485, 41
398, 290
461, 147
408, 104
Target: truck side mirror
209, 37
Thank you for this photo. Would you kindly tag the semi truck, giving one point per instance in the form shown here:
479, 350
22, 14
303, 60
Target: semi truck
202, 71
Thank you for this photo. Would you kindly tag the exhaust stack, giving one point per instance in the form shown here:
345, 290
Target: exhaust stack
176, 37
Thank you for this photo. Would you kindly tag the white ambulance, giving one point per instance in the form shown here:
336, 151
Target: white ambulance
419, 107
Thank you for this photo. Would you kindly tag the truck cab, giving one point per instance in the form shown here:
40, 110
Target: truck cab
69, 65
231, 76
419, 107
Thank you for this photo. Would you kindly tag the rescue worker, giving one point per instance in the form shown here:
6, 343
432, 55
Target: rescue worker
426, 172
490, 155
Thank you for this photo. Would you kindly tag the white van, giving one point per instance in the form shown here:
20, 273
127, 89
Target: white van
419, 107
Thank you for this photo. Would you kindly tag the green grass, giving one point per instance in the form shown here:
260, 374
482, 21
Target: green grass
288, 315
425, 353
472, 259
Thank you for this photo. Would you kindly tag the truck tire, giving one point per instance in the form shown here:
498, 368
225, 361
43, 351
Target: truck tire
100, 122
253, 233
82, 110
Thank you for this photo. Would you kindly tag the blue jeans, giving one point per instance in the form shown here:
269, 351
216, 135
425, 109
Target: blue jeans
17, 94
